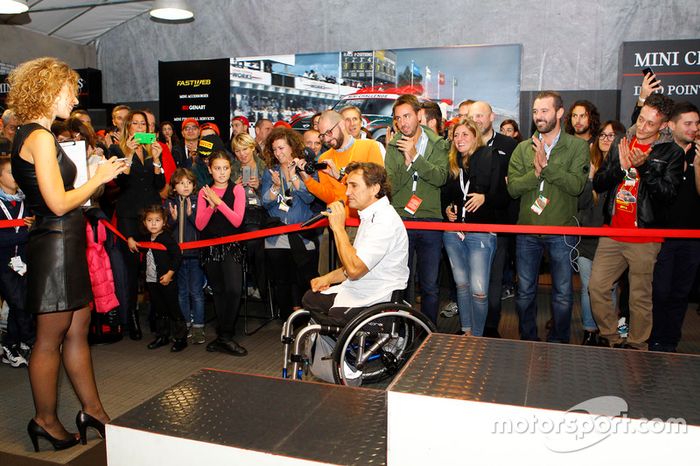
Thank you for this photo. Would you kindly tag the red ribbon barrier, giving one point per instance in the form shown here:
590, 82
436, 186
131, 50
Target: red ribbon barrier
417, 225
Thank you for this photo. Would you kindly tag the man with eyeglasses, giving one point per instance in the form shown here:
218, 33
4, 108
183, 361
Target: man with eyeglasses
343, 149
417, 164
640, 177
679, 258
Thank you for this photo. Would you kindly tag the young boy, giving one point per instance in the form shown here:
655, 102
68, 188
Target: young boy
13, 284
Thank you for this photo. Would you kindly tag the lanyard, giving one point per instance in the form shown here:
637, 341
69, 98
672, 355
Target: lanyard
7, 212
465, 190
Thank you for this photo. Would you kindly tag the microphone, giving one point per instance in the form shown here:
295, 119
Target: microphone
317, 217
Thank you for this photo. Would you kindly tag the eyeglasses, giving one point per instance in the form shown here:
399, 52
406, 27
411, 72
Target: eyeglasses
608, 136
190, 128
328, 133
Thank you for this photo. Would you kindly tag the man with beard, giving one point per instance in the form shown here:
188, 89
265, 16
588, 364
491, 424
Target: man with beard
482, 114
417, 164
583, 121
679, 258
343, 149
547, 173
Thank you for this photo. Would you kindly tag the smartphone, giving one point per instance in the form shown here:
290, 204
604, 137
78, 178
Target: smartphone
145, 138
246, 175
647, 71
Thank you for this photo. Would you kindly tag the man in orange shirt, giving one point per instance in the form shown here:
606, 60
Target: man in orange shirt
343, 150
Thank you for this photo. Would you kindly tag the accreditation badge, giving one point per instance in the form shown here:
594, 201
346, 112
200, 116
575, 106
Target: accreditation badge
413, 204
539, 204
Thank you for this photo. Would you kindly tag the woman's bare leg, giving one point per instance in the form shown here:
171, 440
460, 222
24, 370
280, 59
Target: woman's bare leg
78, 363
44, 364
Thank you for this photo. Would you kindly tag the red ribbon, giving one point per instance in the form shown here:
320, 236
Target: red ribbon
416, 225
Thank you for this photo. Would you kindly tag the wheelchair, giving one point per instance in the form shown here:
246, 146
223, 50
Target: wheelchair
369, 345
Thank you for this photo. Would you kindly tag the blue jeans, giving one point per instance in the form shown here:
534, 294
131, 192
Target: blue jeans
190, 284
471, 260
427, 245
529, 250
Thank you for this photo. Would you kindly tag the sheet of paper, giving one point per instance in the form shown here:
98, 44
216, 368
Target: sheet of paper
77, 152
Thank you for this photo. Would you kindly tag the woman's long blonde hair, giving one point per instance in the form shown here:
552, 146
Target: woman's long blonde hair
124, 133
454, 153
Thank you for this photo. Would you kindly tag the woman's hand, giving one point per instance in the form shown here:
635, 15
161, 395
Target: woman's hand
475, 201
451, 212
109, 169
133, 246
29, 221
211, 197
156, 151
276, 182
132, 144
254, 182
239, 180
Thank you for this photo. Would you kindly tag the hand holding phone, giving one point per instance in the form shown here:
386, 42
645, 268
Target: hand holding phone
649, 84
145, 138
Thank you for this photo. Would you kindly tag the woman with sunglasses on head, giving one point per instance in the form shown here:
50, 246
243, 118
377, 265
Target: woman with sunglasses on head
139, 188
590, 214
58, 282
285, 196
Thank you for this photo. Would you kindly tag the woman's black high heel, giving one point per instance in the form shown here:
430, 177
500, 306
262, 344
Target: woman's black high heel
83, 420
35, 431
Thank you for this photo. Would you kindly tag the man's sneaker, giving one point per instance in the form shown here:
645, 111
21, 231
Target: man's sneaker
25, 350
12, 356
198, 337
622, 327
507, 293
450, 310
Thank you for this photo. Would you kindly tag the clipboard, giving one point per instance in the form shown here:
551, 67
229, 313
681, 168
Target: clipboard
77, 153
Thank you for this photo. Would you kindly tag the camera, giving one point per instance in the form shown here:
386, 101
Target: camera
311, 166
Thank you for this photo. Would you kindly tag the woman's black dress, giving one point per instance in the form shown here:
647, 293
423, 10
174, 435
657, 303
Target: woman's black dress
57, 271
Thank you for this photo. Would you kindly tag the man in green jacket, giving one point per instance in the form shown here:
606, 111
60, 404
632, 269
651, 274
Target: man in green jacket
547, 173
416, 163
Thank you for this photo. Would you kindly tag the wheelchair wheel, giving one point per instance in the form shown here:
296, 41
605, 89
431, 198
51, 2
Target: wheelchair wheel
377, 343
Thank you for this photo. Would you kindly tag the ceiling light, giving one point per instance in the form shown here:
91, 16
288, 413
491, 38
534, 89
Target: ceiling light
13, 7
171, 10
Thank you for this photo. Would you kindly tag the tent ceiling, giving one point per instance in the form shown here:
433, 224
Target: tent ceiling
77, 21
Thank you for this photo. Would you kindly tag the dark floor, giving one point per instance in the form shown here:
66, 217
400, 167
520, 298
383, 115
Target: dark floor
128, 374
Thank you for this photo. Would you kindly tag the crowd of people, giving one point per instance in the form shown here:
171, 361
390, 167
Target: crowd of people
166, 184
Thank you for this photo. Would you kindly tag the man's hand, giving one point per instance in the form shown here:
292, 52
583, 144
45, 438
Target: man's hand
336, 216
540, 160
649, 85
408, 147
29, 221
320, 283
625, 155
637, 157
331, 170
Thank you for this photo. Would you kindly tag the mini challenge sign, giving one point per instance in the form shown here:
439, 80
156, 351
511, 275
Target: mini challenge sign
676, 63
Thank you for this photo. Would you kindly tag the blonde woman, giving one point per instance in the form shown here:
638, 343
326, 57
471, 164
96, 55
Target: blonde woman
57, 274
475, 188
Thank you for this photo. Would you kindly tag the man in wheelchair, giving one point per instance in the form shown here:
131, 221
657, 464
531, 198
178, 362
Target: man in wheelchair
359, 331
377, 263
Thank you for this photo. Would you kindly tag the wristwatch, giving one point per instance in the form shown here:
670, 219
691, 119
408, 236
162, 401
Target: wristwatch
158, 165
